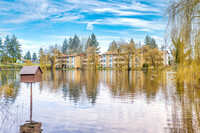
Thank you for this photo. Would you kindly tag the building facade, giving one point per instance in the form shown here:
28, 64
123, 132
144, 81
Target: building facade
112, 59
108, 59
70, 61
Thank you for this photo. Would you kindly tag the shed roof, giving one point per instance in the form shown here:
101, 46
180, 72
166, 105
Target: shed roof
29, 70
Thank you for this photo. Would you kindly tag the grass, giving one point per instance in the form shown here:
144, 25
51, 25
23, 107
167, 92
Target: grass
20, 65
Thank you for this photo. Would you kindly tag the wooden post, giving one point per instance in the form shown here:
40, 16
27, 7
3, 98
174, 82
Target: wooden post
31, 105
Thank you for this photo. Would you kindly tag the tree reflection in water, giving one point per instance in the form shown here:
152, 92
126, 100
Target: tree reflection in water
181, 100
9, 89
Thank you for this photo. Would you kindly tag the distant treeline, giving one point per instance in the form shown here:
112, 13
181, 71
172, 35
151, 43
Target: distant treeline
10, 49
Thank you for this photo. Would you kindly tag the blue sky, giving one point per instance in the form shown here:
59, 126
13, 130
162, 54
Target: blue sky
39, 23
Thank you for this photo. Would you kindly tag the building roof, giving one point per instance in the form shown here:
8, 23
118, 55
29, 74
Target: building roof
110, 53
29, 70
63, 55
82, 54
71, 55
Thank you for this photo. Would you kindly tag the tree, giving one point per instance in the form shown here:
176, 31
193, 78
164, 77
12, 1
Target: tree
88, 43
6, 49
93, 51
82, 45
53, 53
93, 57
27, 56
153, 57
1, 49
113, 46
64, 46
34, 58
41, 56
180, 53
127, 51
14, 49
40, 53
94, 41
74, 44
150, 41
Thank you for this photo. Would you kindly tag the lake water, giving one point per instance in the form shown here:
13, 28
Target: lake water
103, 101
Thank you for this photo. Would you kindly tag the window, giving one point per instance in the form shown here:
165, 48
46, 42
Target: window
67, 57
72, 65
110, 56
67, 65
67, 61
104, 65
72, 58
104, 60
72, 62
104, 56
110, 60
110, 65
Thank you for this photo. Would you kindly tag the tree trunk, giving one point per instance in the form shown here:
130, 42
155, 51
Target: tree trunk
13, 61
118, 55
128, 65
154, 65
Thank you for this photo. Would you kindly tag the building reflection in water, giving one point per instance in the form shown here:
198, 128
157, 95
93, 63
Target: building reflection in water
31, 126
181, 100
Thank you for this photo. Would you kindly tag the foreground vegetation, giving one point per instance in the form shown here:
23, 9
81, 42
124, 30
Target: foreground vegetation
184, 33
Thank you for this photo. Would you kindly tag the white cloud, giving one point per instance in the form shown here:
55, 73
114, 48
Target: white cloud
133, 22
5, 32
33, 46
67, 17
90, 26
147, 30
33, 10
77, 11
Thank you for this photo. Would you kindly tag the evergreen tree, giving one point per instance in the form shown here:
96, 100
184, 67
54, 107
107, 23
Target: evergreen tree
150, 41
113, 46
82, 45
88, 43
14, 49
94, 41
40, 52
6, 49
41, 56
1, 49
153, 43
64, 46
70, 49
75, 43
34, 58
28, 56
147, 40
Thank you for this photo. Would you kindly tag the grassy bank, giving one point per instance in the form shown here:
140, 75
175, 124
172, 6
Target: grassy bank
20, 65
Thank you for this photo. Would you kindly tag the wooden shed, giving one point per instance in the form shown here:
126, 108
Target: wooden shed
31, 74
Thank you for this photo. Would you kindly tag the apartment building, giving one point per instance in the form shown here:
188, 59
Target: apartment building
112, 59
108, 59
89, 63
70, 61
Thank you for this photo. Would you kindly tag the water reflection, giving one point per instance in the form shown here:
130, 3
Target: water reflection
153, 102
31, 126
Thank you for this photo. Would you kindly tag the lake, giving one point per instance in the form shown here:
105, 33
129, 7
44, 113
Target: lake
102, 101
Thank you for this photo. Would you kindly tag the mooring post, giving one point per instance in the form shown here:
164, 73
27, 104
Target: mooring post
31, 104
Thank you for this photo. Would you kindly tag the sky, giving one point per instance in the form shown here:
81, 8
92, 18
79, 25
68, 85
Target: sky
41, 23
